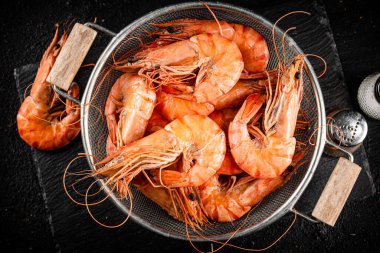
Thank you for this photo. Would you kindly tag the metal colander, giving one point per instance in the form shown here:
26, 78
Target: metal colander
146, 212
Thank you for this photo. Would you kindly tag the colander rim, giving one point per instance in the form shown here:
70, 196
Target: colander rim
319, 137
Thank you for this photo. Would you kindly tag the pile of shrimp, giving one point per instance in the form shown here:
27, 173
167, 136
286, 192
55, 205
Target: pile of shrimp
198, 123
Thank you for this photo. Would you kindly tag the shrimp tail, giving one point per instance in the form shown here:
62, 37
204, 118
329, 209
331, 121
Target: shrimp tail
250, 107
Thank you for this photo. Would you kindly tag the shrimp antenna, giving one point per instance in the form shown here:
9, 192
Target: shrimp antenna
69, 23
281, 66
100, 223
324, 63
27, 90
226, 243
340, 133
85, 176
283, 42
214, 16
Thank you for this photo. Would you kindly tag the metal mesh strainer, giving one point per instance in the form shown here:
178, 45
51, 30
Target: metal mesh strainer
147, 213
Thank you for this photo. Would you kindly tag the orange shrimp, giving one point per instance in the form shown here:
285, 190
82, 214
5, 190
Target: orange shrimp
185, 28
223, 119
41, 121
237, 95
197, 137
243, 88
224, 202
110, 146
128, 108
180, 203
252, 45
271, 152
219, 61
173, 107
229, 166
155, 123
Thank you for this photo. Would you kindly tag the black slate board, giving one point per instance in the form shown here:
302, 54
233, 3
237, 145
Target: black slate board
72, 227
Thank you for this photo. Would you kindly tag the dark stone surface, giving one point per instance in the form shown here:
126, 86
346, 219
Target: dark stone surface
26, 30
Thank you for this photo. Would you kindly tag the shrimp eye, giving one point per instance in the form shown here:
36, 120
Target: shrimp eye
290, 168
57, 46
131, 59
171, 29
297, 75
191, 197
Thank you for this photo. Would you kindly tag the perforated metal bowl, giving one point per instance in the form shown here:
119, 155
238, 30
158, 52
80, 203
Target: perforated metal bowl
146, 212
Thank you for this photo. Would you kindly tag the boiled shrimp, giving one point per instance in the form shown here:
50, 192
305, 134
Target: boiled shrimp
271, 152
218, 61
253, 48
255, 83
156, 122
197, 137
237, 95
42, 121
181, 203
223, 119
225, 202
173, 107
110, 146
252, 45
229, 166
128, 108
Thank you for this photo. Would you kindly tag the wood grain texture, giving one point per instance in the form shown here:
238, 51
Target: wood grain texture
71, 56
336, 191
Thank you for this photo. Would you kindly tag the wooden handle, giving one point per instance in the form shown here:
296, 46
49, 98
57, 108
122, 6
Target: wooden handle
71, 56
336, 191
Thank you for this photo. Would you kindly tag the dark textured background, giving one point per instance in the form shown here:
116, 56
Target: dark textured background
26, 30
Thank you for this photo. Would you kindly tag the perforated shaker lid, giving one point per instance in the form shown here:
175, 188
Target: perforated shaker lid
347, 127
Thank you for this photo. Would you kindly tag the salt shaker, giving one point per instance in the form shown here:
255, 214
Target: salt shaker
369, 96
346, 128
